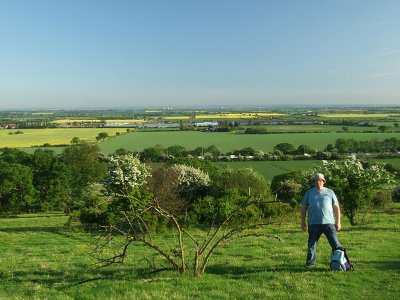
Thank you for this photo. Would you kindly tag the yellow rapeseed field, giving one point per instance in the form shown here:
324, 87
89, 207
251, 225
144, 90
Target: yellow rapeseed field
41, 113
66, 121
53, 136
227, 116
357, 115
125, 121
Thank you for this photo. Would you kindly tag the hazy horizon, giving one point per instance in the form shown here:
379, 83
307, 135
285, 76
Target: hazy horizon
98, 54
207, 107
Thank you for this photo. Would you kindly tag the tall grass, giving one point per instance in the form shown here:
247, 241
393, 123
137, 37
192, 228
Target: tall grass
41, 260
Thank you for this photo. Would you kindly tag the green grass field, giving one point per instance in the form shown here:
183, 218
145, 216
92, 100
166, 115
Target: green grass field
41, 260
316, 128
137, 141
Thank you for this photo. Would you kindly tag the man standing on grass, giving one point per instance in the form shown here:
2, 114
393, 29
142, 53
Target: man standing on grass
323, 217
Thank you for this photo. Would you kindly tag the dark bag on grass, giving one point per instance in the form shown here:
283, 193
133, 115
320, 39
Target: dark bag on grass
340, 261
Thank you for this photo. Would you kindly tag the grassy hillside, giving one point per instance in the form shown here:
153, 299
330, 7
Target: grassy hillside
41, 260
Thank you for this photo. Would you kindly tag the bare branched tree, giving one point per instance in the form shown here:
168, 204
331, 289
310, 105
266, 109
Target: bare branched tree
193, 252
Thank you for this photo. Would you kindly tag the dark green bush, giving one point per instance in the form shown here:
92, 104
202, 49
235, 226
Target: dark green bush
382, 199
396, 194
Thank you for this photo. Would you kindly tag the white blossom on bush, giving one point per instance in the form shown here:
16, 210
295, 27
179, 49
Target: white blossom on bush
125, 174
187, 176
354, 184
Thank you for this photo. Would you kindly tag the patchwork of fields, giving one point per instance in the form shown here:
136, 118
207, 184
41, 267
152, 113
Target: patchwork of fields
137, 141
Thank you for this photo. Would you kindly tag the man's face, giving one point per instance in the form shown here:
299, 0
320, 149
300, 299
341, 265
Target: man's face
319, 184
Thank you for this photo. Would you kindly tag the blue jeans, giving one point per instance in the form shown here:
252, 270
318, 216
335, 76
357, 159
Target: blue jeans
314, 233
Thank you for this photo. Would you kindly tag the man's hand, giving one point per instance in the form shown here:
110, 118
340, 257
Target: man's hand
338, 226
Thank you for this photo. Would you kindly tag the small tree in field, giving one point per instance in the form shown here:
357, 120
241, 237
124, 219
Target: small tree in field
16, 188
83, 167
133, 209
102, 136
355, 184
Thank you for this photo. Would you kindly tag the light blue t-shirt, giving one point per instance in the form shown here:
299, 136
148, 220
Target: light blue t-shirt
320, 206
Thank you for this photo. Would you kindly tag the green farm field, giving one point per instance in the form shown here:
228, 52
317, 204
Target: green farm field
317, 128
137, 141
40, 259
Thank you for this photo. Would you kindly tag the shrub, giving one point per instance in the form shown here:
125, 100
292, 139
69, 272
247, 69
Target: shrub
175, 187
93, 206
124, 176
396, 194
382, 199
252, 130
229, 190
288, 187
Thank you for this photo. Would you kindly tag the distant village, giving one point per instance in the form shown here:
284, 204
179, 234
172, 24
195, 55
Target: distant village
152, 124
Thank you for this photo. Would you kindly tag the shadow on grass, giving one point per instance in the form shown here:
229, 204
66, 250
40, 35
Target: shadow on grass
369, 228
387, 265
57, 230
34, 216
249, 272
64, 280
68, 279
51, 229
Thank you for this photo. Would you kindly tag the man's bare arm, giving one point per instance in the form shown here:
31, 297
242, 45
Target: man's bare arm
336, 210
303, 218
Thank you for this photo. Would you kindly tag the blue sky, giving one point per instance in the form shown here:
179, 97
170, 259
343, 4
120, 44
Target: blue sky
101, 54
